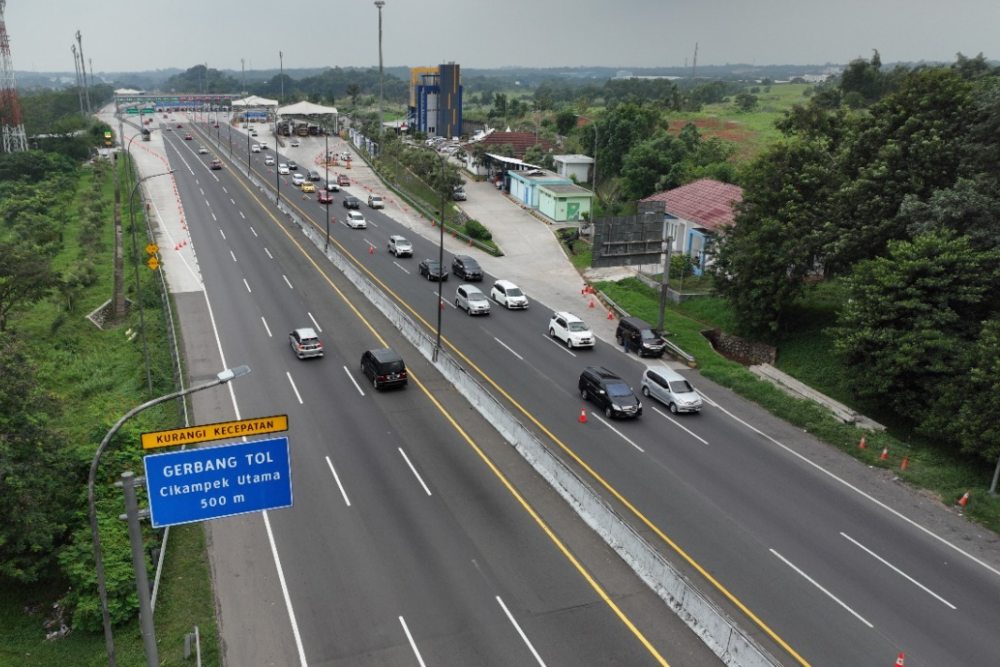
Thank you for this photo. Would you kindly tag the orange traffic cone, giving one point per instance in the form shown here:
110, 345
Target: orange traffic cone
611, 315
863, 444
583, 416
905, 463
884, 456
899, 660
591, 303
371, 250
964, 500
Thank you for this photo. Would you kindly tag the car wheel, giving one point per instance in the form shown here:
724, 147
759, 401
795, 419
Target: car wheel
645, 392
583, 394
673, 408
608, 412
569, 343
619, 339
456, 304
374, 383
552, 333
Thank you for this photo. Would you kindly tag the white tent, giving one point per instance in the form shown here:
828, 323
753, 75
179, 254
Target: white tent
254, 101
306, 109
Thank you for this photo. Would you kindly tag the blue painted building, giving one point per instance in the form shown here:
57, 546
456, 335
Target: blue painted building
436, 100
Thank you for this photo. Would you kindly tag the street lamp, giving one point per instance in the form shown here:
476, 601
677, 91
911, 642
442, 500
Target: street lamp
135, 262
102, 592
437, 342
380, 4
326, 163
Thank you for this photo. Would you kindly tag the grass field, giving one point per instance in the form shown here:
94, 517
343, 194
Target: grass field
98, 375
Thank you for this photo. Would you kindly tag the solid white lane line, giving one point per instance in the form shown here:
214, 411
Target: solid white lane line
248, 285
508, 348
897, 570
400, 267
679, 425
233, 255
284, 591
253, 231
620, 434
863, 494
222, 233
336, 478
266, 328
559, 345
517, 627
414, 470
356, 385
294, 388
287, 281
413, 644
315, 323
269, 255
242, 216
816, 584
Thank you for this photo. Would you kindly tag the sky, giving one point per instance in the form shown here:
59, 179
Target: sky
136, 35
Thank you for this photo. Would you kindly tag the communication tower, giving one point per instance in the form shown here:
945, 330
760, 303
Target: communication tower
10, 106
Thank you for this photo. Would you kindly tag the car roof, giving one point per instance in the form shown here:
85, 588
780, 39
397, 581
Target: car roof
569, 317
603, 373
306, 332
385, 354
668, 374
505, 283
471, 289
397, 238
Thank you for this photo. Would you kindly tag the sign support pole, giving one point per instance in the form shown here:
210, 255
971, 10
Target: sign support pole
128, 483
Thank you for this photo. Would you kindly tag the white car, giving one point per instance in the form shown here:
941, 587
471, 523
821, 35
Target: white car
255, 148
202, 150
509, 295
283, 169
269, 161
355, 220
294, 143
571, 330
376, 201
298, 179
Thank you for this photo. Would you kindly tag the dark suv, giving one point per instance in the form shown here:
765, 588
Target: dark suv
466, 267
636, 335
609, 392
384, 368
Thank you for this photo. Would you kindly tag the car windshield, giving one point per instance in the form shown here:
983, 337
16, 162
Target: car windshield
513, 291
619, 389
648, 334
403, 244
471, 265
477, 296
433, 265
577, 326
681, 387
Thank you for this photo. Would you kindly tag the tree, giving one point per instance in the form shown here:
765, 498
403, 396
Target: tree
539, 156
353, 90
35, 478
565, 122
745, 102
905, 327
619, 129
656, 164
26, 276
978, 419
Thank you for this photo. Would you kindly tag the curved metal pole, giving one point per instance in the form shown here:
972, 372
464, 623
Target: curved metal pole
102, 590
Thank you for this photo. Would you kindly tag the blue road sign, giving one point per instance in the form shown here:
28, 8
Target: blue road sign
213, 482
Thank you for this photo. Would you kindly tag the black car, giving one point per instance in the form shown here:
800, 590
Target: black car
313, 175
432, 269
293, 165
609, 392
467, 268
384, 368
352, 202
635, 335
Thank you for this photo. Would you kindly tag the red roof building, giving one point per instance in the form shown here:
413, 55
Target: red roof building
520, 141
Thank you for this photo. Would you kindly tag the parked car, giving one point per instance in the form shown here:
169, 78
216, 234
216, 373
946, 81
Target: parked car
305, 343
636, 335
324, 197
384, 368
355, 220
352, 202
343, 181
672, 389
432, 270
400, 247
509, 295
571, 330
472, 300
283, 169
215, 164
466, 267
375, 201
298, 179
609, 392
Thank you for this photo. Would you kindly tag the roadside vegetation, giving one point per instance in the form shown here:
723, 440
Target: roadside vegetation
63, 383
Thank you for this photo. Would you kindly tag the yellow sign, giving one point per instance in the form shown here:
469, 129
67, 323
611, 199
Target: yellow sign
152, 249
153, 263
218, 431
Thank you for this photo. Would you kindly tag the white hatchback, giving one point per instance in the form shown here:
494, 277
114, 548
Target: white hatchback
509, 295
298, 179
283, 169
571, 330
355, 220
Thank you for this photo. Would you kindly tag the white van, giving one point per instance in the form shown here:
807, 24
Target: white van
670, 388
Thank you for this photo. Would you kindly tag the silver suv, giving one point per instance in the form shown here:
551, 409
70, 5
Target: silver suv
670, 388
399, 246
472, 300
571, 330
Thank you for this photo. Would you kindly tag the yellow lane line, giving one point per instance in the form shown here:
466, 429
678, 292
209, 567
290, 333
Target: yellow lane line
465, 436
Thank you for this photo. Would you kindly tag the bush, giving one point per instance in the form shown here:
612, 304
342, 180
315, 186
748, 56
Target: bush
475, 229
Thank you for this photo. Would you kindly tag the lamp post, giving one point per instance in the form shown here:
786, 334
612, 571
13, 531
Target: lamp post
440, 308
135, 262
380, 4
281, 69
102, 592
326, 184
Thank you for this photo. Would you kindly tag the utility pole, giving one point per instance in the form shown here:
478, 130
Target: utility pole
79, 83
281, 75
83, 66
380, 4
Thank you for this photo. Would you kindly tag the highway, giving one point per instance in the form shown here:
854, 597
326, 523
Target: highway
818, 570
405, 545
